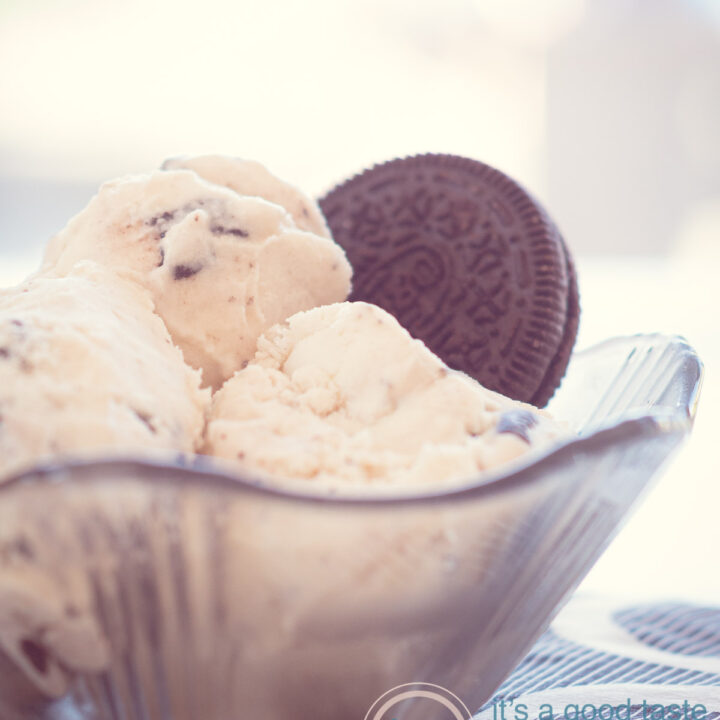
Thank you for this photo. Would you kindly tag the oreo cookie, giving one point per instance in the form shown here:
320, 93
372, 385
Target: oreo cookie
469, 262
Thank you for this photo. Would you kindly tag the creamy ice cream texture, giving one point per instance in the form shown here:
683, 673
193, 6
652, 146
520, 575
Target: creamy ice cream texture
343, 394
87, 367
222, 264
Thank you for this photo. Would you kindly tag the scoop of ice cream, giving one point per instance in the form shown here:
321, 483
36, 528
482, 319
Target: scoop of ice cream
247, 177
343, 400
222, 268
343, 394
87, 367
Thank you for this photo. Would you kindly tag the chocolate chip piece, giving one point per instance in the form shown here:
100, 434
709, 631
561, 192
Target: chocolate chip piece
163, 217
17, 323
147, 420
4, 353
182, 272
222, 230
36, 654
21, 546
517, 422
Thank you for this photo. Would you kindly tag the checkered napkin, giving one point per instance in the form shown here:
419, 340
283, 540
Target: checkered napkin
617, 661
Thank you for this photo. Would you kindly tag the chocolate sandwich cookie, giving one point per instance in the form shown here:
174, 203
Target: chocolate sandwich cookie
468, 262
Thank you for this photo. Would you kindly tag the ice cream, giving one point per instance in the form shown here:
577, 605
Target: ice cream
341, 400
221, 267
87, 368
342, 394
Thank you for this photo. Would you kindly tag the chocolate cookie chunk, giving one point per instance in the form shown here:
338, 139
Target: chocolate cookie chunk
468, 262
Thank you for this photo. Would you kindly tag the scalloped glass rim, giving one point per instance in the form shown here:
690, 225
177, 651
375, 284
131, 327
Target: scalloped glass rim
622, 422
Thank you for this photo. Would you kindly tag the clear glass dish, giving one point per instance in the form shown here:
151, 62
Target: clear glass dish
137, 591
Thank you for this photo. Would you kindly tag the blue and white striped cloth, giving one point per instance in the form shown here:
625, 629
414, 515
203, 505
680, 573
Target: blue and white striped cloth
616, 661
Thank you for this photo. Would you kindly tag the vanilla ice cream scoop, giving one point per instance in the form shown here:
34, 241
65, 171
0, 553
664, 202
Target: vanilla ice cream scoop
342, 401
221, 267
87, 368
343, 394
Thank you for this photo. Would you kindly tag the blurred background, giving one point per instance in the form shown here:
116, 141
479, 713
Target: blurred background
608, 110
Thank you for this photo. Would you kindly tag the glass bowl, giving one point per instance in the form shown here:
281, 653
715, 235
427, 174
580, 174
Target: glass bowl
139, 591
